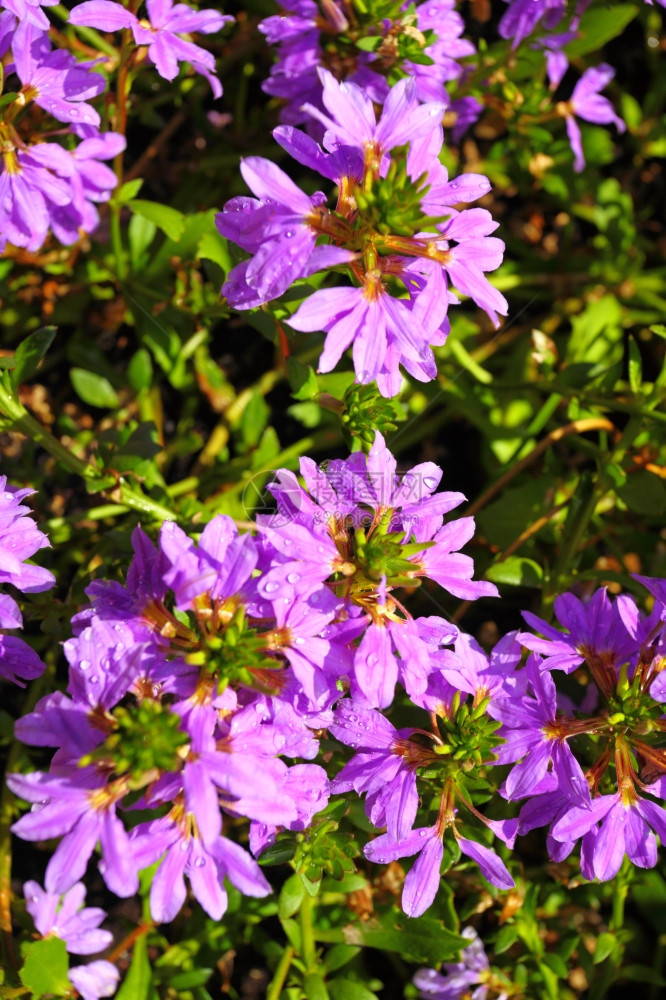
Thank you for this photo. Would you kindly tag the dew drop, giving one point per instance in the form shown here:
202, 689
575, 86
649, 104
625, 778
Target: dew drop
184, 846
422, 833
73, 113
288, 542
94, 679
263, 829
293, 577
84, 664
353, 718
372, 660
199, 862
271, 587
34, 899
299, 640
289, 234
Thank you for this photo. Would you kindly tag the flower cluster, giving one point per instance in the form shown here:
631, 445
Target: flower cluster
189, 684
48, 185
19, 540
592, 770
394, 230
368, 47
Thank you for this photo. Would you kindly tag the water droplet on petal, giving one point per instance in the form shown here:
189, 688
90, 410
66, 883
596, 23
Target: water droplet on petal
423, 833
184, 846
372, 660
94, 679
293, 577
353, 718
199, 862
84, 664
271, 587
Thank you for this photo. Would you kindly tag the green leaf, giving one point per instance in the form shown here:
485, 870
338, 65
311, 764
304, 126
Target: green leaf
8, 98
315, 987
506, 937
369, 43
644, 493
141, 233
30, 352
302, 380
293, 931
597, 27
291, 896
186, 980
95, 390
339, 955
46, 967
659, 329
213, 246
278, 853
517, 572
140, 370
642, 974
169, 220
557, 964
606, 944
137, 984
635, 366
549, 981
128, 191
254, 419
349, 989
421, 940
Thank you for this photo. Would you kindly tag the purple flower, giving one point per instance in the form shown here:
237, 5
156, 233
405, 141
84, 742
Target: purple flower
422, 881
532, 730
19, 540
66, 919
523, 16
351, 119
627, 825
279, 229
44, 186
205, 866
80, 807
596, 635
53, 79
384, 767
587, 103
30, 11
95, 980
161, 32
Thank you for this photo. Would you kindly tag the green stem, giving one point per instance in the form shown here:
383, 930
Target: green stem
278, 980
308, 946
143, 504
21, 420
